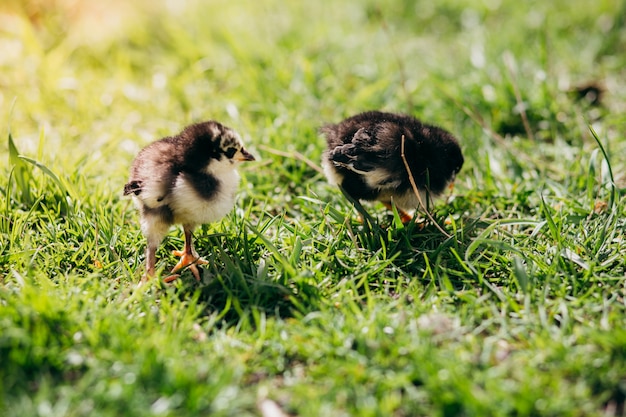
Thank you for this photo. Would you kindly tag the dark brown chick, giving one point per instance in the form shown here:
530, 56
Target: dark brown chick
364, 158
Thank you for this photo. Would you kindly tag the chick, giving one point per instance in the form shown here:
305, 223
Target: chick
187, 179
364, 158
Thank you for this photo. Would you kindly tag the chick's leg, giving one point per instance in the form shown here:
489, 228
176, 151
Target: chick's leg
188, 257
150, 262
153, 229
404, 216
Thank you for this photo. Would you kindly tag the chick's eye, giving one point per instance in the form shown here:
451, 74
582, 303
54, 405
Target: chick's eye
230, 152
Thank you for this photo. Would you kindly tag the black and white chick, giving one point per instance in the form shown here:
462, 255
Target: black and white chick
187, 179
364, 158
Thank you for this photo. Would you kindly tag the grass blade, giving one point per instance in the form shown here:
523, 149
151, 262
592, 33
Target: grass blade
614, 191
21, 172
46, 171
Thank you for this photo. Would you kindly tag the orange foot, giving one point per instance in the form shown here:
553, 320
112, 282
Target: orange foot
404, 216
187, 259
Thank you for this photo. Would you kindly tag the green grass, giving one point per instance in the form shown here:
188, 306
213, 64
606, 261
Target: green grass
517, 310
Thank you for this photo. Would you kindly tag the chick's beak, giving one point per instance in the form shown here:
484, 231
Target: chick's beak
245, 156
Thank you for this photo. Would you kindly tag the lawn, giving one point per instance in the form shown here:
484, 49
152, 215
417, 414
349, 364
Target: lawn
508, 299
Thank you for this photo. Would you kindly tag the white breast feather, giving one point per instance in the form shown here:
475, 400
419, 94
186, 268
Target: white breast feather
334, 178
408, 200
379, 178
191, 208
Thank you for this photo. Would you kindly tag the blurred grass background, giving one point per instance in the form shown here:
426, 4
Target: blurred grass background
521, 312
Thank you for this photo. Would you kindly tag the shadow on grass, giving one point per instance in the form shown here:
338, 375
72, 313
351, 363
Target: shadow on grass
240, 281
283, 269
423, 250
